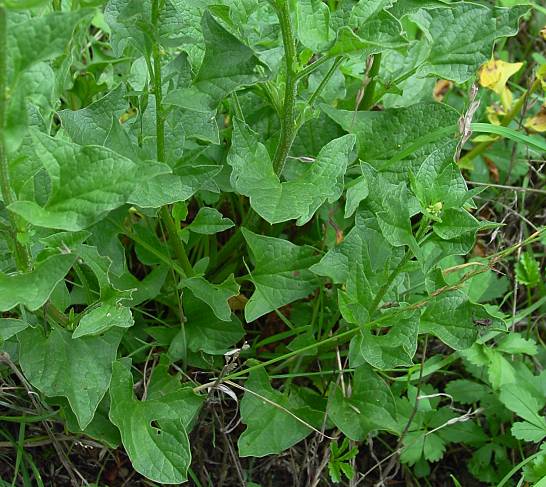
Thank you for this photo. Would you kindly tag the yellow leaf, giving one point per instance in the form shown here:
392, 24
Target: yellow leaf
494, 74
538, 122
494, 114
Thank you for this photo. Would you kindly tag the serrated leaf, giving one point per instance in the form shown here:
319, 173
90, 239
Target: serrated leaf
269, 429
276, 202
78, 369
466, 391
32, 289
517, 399
153, 432
527, 270
209, 221
86, 183
281, 273
370, 407
522, 430
515, 343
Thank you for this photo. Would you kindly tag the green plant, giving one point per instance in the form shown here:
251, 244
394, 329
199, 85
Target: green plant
176, 175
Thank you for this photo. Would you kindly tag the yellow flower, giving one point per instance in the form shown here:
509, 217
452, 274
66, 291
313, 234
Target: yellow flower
494, 75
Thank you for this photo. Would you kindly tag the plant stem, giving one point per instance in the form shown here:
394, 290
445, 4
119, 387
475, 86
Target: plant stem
368, 101
479, 149
166, 217
312, 67
325, 81
22, 255
288, 125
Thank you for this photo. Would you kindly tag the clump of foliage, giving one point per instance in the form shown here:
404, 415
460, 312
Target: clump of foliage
262, 201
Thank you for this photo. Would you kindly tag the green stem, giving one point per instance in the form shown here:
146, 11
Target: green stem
312, 67
384, 289
423, 226
166, 216
288, 125
234, 242
479, 149
22, 255
520, 465
325, 81
368, 101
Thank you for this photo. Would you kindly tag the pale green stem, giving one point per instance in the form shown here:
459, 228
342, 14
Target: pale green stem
168, 220
288, 122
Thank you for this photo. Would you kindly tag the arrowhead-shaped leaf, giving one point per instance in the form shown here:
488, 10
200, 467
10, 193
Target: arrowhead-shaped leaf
32, 289
281, 273
276, 202
78, 369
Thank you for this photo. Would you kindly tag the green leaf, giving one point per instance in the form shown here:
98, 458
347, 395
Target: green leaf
86, 183
100, 428
107, 315
438, 183
228, 64
209, 221
32, 289
39, 38
449, 317
154, 431
363, 262
92, 125
216, 296
515, 343
370, 406
269, 429
527, 270
382, 135
357, 191
466, 391
456, 223
313, 24
205, 332
78, 369
518, 400
200, 111
276, 202
522, 430
281, 273
395, 348
9, 327
461, 38
371, 30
